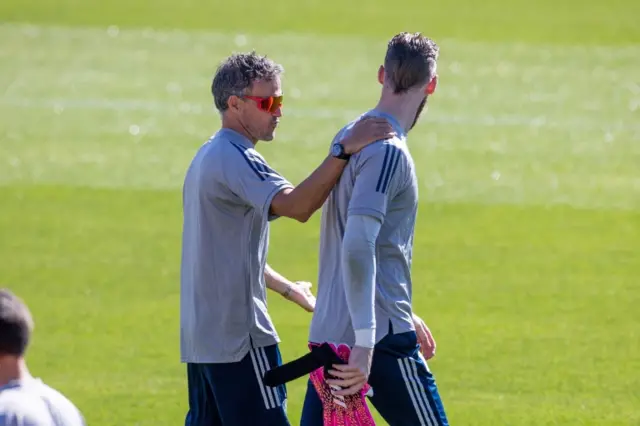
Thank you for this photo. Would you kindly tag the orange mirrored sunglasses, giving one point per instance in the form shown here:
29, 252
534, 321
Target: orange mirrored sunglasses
268, 104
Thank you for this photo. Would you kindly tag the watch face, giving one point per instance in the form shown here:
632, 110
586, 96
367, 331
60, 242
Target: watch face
336, 150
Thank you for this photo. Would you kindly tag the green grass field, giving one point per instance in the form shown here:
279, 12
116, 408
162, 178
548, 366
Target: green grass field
527, 250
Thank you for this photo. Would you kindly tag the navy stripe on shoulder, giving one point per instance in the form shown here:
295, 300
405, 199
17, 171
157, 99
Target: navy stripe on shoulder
392, 170
389, 166
260, 163
255, 167
384, 167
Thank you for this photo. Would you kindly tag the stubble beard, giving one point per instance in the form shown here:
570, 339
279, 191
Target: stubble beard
418, 112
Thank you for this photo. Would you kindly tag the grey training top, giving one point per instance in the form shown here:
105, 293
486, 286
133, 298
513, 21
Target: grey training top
227, 194
379, 181
30, 402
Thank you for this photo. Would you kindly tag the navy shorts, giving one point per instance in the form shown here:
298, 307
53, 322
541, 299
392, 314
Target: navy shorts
232, 394
404, 390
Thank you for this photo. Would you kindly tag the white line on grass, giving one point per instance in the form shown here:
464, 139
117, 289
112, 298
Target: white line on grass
521, 124
187, 108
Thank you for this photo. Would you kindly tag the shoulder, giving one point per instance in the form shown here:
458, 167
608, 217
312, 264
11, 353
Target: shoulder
347, 128
36, 403
224, 158
61, 407
58, 398
232, 152
389, 149
18, 408
385, 163
15, 396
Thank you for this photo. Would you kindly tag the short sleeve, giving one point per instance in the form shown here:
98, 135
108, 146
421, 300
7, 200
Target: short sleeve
249, 176
377, 179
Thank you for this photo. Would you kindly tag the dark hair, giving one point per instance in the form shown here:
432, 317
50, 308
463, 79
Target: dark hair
16, 324
237, 73
410, 61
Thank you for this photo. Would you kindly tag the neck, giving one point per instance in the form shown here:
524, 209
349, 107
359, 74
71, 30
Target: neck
12, 368
402, 107
235, 125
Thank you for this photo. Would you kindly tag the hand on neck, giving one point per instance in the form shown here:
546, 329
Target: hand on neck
12, 368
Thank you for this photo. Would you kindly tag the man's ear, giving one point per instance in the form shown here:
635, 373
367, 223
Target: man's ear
381, 75
431, 87
233, 103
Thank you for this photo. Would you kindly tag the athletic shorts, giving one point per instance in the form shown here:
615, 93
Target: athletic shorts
404, 389
232, 394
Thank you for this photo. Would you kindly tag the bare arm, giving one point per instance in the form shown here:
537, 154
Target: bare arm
298, 292
302, 201
277, 282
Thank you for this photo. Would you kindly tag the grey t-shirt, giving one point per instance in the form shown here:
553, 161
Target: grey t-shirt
30, 402
227, 195
379, 181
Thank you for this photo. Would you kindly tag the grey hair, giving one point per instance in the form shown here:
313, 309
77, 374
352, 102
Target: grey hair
237, 73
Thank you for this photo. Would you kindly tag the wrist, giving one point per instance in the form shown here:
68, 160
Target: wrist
340, 151
366, 337
287, 291
348, 149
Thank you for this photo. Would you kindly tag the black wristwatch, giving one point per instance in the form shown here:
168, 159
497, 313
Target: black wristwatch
337, 150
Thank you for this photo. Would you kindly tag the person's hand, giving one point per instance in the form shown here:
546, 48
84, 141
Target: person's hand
300, 294
352, 377
366, 131
425, 338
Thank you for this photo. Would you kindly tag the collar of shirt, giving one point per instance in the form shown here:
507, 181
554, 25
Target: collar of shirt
394, 122
235, 137
20, 383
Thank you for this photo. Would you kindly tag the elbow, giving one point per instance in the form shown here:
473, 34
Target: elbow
358, 258
300, 212
350, 254
288, 205
355, 255
302, 216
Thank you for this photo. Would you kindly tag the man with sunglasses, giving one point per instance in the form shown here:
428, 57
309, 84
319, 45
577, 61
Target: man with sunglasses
364, 284
230, 194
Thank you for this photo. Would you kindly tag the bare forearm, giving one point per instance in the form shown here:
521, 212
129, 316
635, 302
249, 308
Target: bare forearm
276, 282
302, 201
315, 189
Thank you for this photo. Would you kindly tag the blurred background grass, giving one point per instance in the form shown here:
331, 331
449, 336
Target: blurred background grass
564, 21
